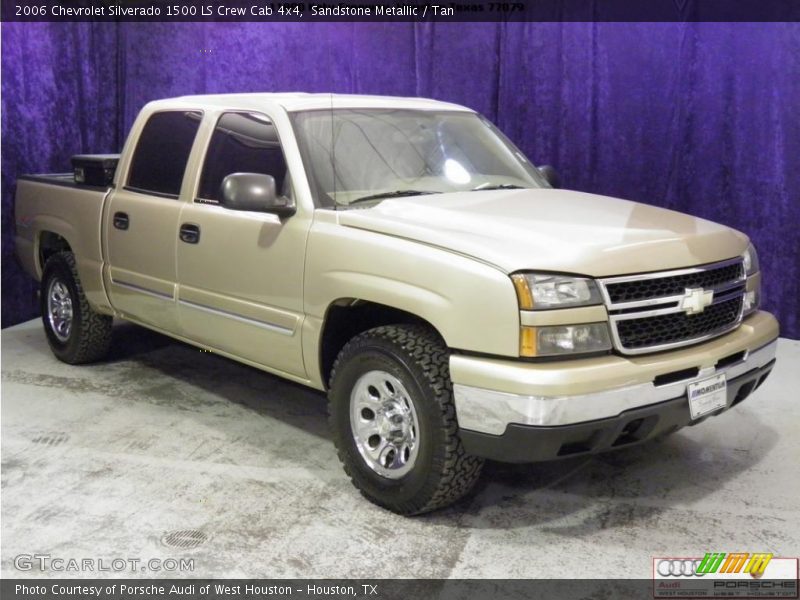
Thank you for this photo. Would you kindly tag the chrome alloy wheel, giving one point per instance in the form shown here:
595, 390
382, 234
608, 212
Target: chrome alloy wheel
384, 424
59, 309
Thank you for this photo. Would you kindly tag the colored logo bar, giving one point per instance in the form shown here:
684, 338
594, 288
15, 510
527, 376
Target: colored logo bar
734, 562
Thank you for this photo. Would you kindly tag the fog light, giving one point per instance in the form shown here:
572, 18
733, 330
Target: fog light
751, 301
564, 339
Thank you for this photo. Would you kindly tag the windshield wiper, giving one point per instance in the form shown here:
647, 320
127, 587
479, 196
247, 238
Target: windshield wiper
394, 194
498, 186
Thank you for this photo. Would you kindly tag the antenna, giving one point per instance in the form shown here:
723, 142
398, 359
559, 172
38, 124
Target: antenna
333, 156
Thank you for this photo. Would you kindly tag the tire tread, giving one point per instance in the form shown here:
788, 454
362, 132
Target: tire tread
92, 328
458, 471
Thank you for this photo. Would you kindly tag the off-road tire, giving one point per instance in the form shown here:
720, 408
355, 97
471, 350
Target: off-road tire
443, 472
90, 334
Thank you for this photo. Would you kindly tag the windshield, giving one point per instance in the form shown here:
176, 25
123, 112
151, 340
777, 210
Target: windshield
365, 155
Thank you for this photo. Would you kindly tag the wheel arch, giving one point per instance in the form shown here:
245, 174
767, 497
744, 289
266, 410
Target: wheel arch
345, 318
48, 244
54, 235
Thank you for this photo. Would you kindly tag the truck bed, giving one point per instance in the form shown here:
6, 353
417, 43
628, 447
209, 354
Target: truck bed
62, 179
55, 204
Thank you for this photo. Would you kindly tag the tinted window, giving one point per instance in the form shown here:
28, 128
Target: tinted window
163, 151
242, 143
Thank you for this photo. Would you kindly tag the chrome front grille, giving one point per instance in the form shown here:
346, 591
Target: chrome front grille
670, 309
673, 285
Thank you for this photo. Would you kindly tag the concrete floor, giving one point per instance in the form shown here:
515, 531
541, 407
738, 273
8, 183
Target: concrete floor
101, 461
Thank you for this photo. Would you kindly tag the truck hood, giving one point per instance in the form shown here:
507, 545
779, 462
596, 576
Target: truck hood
552, 230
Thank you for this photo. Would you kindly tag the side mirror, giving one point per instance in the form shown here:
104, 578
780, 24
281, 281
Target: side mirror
256, 192
551, 175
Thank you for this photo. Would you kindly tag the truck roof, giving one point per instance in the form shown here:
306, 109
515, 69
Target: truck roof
296, 101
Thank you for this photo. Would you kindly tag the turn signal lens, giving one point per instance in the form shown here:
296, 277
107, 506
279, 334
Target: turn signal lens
527, 341
523, 291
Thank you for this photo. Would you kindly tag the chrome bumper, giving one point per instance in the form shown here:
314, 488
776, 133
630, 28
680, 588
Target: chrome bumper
490, 411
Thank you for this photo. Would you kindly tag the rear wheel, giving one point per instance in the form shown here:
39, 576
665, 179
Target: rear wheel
76, 333
394, 421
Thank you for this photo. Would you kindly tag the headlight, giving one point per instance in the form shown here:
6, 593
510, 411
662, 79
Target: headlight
750, 258
752, 296
564, 339
540, 291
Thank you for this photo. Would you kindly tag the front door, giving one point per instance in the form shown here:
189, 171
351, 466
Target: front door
240, 273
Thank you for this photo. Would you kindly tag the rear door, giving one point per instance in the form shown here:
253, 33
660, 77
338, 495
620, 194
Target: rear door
241, 276
141, 225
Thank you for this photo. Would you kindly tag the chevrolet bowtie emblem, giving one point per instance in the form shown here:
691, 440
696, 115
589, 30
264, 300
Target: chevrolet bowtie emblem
695, 300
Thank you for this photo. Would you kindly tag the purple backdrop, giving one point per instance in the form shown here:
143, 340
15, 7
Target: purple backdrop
700, 117
59, 98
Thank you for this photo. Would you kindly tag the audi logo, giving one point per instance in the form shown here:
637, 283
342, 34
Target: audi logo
686, 567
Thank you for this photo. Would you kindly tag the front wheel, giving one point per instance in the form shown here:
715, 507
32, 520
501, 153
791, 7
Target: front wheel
394, 421
76, 333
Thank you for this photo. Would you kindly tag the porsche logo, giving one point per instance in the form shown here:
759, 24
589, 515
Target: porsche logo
695, 300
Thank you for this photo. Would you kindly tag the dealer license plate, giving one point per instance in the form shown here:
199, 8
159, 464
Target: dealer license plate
707, 396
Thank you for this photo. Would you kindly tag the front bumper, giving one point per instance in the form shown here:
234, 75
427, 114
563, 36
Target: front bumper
540, 411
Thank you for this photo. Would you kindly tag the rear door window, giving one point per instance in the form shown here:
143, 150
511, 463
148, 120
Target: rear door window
162, 152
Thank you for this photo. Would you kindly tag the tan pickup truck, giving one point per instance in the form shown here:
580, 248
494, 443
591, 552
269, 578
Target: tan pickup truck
404, 256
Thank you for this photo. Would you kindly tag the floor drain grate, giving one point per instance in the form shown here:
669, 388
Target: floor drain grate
184, 538
50, 439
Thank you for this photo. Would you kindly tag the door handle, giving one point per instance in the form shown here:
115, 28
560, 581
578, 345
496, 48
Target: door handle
121, 220
190, 233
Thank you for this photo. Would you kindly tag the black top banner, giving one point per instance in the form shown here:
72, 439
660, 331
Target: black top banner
402, 11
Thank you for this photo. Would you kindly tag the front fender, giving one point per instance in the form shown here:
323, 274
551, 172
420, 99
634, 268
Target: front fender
472, 305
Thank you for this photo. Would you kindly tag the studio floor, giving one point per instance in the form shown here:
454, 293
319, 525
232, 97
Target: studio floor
163, 451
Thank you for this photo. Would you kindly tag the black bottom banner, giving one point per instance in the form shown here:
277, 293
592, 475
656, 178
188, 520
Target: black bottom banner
385, 589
